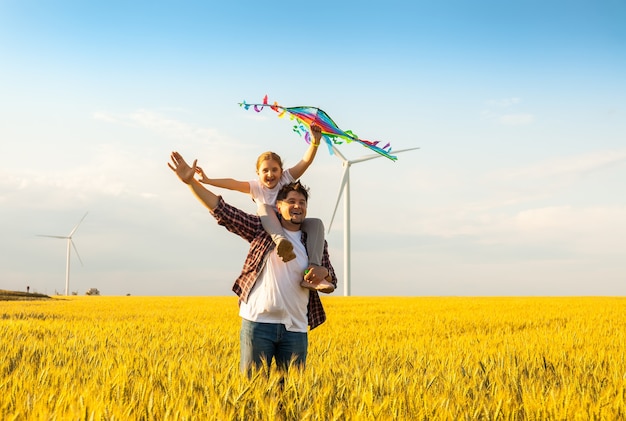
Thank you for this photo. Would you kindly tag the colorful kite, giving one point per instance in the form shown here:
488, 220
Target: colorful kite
331, 133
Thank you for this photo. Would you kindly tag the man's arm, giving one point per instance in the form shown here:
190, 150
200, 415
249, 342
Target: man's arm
234, 220
186, 175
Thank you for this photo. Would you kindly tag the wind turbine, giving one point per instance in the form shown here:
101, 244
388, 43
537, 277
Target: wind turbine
70, 244
345, 187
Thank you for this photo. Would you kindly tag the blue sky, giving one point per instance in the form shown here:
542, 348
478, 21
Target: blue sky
519, 110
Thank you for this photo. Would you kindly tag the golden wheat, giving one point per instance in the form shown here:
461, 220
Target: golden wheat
176, 358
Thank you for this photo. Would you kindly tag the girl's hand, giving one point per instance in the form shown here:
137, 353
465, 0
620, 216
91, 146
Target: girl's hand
316, 131
203, 178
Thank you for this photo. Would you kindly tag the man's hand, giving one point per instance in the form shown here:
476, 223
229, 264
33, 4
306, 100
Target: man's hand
181, 168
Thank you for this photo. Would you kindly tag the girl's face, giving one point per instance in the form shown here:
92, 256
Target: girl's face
269, 173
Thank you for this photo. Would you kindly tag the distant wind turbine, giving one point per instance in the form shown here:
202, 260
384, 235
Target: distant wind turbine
345, 187
70, 244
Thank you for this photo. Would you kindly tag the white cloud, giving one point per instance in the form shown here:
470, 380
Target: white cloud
108, 170
589, 230
573, 229
564, 165
102, 116
503, 103
162, 125
551, 205
508, 119
516, 119
173, 129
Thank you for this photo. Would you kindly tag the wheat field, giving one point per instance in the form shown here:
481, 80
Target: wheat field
176, 358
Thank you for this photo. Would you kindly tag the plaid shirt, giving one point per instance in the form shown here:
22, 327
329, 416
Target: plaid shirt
249, 228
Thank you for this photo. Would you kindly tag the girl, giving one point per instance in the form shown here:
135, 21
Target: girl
271, 177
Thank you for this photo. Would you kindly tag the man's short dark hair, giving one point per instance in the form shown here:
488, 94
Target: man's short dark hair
295, 186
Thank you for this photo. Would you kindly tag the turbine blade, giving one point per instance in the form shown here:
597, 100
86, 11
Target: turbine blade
346, 168
368, 157
365, 158
405, 150
77, 225
53, 236
343, 158
76, 250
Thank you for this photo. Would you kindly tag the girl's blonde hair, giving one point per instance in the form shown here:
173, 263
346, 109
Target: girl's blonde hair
266, 156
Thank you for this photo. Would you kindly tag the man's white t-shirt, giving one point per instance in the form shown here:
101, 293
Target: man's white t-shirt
264, 196
277, 296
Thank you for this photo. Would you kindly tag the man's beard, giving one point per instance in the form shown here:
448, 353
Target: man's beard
294, 222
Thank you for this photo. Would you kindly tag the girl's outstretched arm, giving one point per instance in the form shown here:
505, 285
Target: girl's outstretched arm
306, 161
224, 183
186, 173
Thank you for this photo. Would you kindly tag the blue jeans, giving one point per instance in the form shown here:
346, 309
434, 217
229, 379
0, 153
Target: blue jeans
262, 342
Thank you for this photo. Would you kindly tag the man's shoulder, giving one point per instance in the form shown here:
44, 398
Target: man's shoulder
225, 209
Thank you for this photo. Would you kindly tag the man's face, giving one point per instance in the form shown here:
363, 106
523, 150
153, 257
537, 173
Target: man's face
293, 210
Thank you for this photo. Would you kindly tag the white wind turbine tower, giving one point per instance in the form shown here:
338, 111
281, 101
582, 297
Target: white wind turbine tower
345, 187
70, 244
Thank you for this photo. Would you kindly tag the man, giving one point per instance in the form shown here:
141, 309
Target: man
276, 311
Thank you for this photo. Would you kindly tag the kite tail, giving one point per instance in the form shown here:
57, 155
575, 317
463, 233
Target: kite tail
307, 116
329, 144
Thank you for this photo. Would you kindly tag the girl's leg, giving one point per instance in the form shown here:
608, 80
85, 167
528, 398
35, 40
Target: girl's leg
272, 226
314, 229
